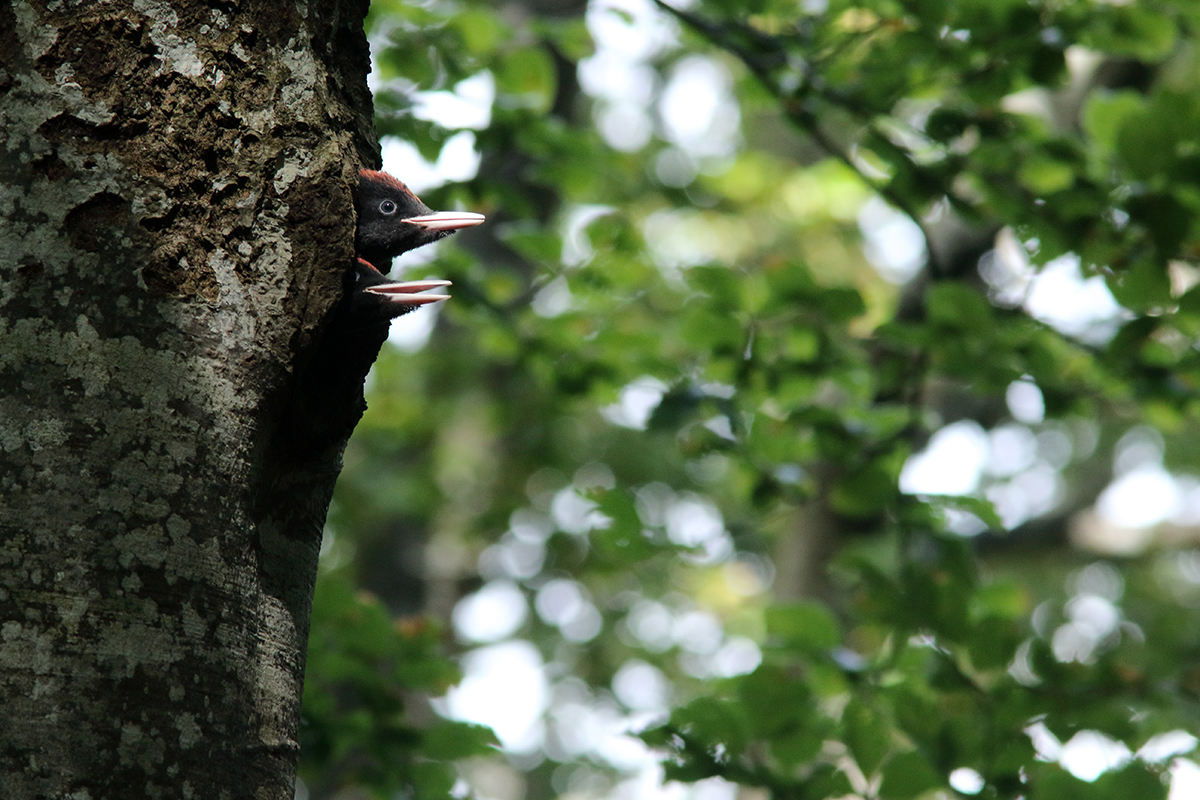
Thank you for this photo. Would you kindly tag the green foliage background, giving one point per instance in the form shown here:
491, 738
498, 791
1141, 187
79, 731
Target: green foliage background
795, 384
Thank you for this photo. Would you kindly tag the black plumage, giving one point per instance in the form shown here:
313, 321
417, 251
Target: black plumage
327, 398
392, 220
371, 298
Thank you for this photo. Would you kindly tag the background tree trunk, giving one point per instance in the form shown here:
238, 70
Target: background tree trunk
175, 186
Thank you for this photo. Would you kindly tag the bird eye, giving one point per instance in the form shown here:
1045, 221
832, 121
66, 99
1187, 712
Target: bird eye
387, 207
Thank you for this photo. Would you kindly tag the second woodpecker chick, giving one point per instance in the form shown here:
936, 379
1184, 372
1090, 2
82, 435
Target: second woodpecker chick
326, 400
374, 299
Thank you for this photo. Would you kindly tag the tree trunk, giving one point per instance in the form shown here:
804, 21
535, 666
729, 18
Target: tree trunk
175, 222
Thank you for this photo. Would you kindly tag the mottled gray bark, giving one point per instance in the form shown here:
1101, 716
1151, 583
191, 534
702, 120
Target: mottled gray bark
175, 219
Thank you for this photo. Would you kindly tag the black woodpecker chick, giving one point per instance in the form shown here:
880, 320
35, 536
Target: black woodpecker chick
325, 400
371, 299
392, 220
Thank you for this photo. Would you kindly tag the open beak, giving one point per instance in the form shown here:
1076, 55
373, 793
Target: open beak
447, 220
405, 294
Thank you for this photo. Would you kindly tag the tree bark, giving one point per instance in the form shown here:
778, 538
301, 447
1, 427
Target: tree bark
175, 222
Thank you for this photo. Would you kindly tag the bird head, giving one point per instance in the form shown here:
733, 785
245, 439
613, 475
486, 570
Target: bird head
374, 299
392, 220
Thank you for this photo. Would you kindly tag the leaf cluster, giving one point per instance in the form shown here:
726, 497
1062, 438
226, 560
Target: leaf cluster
788, 385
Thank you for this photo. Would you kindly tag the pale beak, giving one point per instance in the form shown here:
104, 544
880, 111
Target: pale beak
447, 220
404, 294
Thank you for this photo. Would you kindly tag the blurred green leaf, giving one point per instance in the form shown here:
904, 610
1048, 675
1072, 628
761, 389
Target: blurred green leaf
804, 626
1144, 285
480, 28
525, 79
865, 491
1105, 113
722, 725
1044, 176
448, 740
909, 775
1135, 31
867, 735
958, 306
